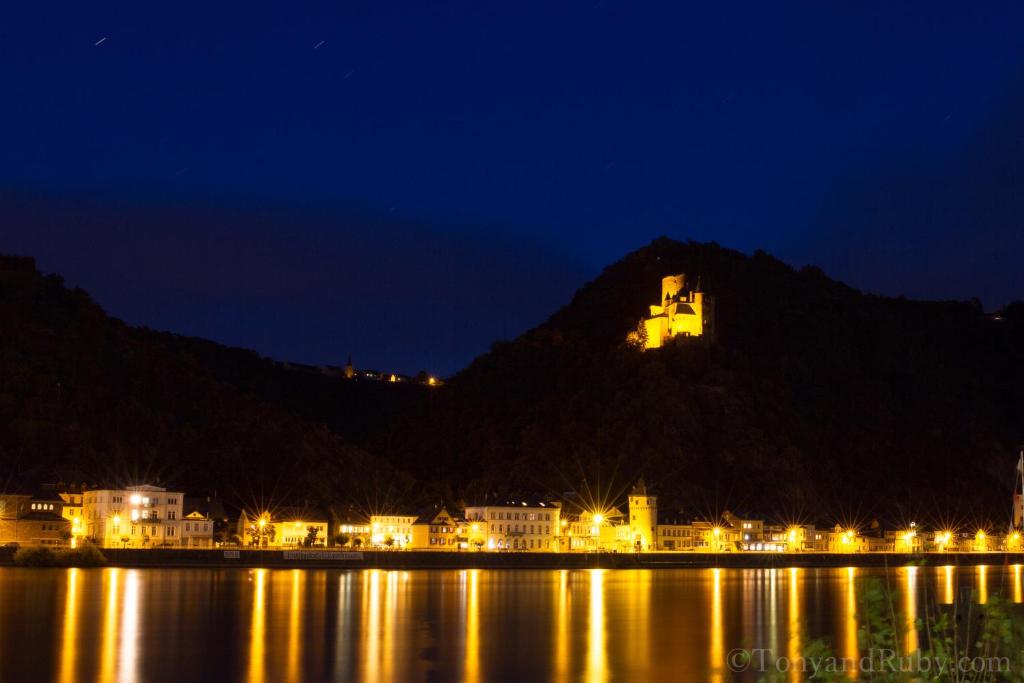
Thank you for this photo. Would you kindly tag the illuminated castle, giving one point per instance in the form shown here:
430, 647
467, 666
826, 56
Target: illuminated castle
681, 312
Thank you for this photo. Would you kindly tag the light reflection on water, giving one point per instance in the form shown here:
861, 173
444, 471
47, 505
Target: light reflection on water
295, 625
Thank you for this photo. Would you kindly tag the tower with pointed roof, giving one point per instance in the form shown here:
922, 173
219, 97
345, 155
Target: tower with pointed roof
643, 516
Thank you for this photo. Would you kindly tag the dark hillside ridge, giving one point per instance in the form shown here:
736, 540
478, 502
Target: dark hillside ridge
814, 401
83, 392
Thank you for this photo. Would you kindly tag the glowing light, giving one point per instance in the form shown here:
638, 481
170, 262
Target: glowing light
135, 499
117, 520
598, 518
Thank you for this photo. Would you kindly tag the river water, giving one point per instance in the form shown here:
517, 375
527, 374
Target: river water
267, 626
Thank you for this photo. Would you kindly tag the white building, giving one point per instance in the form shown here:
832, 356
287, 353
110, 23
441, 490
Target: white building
136, 517
398, 528
519, 524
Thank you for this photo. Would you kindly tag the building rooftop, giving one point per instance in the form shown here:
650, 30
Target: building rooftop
518, 502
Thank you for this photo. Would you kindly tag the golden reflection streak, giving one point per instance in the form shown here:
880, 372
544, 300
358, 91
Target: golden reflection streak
596, 656
129, 629
343, 636
948, 589
795, 645
1016, 584
371, 618
108, 647
257, 628
910, 643
716, 652
773, 610
850, 651
293, 627
982, 583
69, 634
472, 668
562, 627
390, 614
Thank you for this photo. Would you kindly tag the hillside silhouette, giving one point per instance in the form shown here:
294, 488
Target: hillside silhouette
813, 402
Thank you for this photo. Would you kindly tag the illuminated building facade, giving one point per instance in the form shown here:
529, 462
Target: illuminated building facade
288, 527
135, 517
73, 511
437, 529
33, 520
674, 534
529, 525
680, 312
643, 518
391, 531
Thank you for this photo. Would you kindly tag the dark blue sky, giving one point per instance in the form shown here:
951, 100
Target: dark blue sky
411, 181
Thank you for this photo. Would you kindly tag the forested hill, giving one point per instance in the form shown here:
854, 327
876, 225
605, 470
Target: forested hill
814, 400
84, 397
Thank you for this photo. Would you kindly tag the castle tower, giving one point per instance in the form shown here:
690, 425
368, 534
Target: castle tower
349, 371
671, 285
643, 517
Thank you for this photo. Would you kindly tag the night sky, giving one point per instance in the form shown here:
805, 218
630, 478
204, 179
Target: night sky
409, 182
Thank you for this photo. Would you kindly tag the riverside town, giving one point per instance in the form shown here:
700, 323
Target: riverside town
152, 517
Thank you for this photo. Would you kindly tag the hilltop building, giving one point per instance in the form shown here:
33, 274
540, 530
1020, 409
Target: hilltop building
680, 312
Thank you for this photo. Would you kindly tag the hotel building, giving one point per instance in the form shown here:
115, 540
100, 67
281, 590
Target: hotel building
136, 517
519, 524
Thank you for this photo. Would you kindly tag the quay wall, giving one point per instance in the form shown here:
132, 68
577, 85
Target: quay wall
413, 559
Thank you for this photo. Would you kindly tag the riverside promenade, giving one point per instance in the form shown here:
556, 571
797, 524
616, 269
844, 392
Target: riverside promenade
425, 559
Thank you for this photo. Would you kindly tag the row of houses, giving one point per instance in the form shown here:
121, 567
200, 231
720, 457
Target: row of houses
135, 517
155, 517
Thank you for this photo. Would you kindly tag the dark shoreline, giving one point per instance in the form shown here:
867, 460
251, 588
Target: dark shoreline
413, 559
